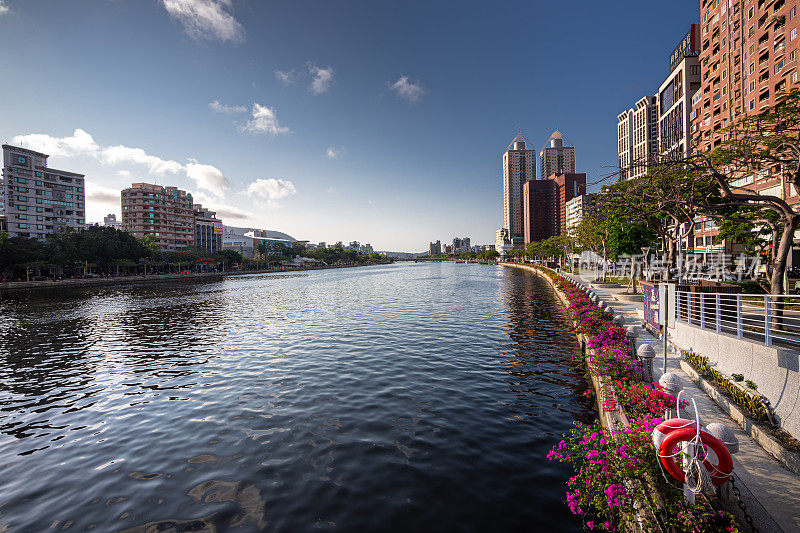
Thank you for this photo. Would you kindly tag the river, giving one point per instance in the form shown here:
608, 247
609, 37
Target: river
406, 397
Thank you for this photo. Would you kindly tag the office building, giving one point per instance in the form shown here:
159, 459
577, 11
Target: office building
556, 158
675, 97
519, 165
164, 212
540, 206
207, 230
40, 200
435, 248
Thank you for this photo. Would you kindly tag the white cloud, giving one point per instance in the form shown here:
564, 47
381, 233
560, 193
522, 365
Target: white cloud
4, 8
405, 88
322, 78
217, 107
97, 194
271, 190
263, 120
286, 77
207, 177
206, 19
116, 155
223, 211
332, 153
82, 143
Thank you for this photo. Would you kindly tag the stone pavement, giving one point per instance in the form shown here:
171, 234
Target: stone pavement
770, 491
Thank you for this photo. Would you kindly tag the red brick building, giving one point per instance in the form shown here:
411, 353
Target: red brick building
569, 185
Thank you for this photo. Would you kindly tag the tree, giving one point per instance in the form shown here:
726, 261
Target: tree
757, 147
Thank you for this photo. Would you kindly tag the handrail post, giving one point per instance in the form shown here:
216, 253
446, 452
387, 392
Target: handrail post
719, 326
739, 316
689, 307
702, 310
767, 321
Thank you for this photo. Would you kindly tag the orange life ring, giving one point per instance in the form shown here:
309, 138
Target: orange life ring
668, 426
720, 473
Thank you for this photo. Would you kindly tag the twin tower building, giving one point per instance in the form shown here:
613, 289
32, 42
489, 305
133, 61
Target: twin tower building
535, 209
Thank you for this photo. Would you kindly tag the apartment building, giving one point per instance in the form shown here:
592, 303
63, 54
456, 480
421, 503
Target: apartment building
748, 57
637, 137
40, 200
164, 212
575, 209
207, 230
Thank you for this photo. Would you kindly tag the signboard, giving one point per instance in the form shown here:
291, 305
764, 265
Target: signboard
217, 228
688, 47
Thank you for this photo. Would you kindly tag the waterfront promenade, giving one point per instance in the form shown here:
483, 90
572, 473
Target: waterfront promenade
770, 491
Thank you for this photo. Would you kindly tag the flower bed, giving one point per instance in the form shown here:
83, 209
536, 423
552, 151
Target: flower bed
618, 479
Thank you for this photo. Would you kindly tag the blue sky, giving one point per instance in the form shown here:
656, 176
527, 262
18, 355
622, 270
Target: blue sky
382, 122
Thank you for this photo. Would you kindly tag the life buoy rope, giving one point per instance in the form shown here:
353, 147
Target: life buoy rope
671, 460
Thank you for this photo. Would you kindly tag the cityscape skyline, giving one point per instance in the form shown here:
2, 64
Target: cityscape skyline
312, 136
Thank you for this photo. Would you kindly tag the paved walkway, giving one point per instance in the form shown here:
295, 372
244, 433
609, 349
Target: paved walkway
770, 491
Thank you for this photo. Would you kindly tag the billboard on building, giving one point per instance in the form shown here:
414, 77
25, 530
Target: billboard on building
688, 47
217, 228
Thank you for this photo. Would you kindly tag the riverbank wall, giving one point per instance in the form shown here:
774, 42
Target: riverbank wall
12, 286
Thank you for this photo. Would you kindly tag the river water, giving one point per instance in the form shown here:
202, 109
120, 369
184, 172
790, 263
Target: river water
409, 397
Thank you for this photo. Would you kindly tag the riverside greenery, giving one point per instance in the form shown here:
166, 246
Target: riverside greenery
105, 251
618, 478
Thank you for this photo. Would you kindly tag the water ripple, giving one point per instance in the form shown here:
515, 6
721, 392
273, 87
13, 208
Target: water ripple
405, 397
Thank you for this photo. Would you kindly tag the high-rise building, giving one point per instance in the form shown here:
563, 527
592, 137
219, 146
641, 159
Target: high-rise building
40, 200
637, 137
540, 204
164, 212
624, 146
207, 230
748, 57
556, 158
519, 165
675, 97
569, 185
436, 248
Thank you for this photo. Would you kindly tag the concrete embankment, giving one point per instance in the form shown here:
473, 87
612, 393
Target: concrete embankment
153, 278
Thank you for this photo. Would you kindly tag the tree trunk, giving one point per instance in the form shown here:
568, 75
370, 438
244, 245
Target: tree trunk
780, 254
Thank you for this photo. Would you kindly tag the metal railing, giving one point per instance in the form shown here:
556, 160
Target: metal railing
771, 319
